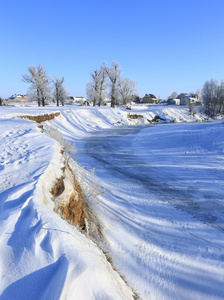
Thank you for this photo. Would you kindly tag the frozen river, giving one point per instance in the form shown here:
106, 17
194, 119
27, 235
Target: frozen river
181, 164
166, 196
159, 225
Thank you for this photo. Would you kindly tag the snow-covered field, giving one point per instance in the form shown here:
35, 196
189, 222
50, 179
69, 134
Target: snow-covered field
162, 218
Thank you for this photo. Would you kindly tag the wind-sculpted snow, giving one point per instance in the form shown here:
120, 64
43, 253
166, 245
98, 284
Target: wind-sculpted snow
165, 198
42, 257
163, 213
161, 219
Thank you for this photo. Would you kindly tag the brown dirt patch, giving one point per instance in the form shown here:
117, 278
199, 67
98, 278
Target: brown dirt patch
73, 208
58, 188
41, 118
134, 116
71, 204
156, 119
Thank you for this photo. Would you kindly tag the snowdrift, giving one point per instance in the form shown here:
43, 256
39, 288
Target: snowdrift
157, 251
42, 256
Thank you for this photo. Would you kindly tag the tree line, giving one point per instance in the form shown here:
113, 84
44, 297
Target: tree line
213, 97
41, 89
212, 94
107, 81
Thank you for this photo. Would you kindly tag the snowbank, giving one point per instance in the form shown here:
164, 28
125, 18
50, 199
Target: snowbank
42, 256
162, 252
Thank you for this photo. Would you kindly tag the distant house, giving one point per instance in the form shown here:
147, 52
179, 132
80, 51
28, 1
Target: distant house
172, 101
18, 97
137, 99
188, 98
86, 103
150, 98
106, 101
70, 98
195, 96
78, 100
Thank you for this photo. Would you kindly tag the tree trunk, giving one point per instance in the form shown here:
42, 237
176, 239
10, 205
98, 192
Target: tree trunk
38, 97
100, 101
100, 95
42, 98
57, 97
112, 101
113, 95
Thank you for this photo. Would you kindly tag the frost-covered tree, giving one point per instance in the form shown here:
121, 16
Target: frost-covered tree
222, 96
213, 97
220, 100
32, 95
126, 89
191, 105
102, 83
198, 92
173, 95
93, 87
90, 92
40, 82
114, 77
60, 94
119, 89
210, 96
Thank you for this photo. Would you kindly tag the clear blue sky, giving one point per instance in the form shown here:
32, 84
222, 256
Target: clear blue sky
164, 45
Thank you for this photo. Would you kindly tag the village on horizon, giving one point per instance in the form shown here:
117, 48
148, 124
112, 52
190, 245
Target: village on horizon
181, 99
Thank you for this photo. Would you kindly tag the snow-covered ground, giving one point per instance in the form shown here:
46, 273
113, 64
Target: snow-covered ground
162, 218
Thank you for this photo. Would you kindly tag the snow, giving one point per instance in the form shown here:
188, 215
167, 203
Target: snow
42, 257
162, 217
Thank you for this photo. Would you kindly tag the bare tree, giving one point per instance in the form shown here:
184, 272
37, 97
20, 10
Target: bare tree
191, 105
40, 82
120, 89
126, 90
95, 74
213, 97
198, 93
90, 92
173, 95
102, 83
210, 96
114, 76
0, 101
32, 95
220, 98
95, 89
92, 87
60, 93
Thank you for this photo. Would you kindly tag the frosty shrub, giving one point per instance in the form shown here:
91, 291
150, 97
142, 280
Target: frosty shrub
88, 181
54, 133
68, 147
90, 184
91, 190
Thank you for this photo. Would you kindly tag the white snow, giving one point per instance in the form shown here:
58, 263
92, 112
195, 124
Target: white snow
162, 217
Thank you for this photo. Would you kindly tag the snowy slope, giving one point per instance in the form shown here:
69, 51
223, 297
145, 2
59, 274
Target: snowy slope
161, 218
42, 257
163, 213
